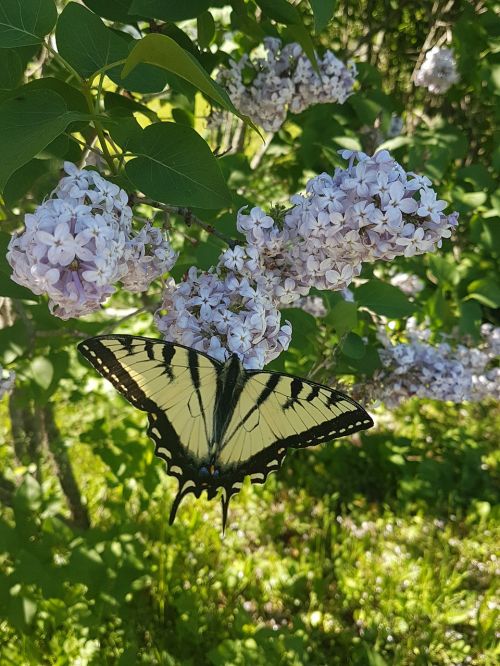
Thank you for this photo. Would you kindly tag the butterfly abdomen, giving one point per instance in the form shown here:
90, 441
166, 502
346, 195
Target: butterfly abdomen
230, 383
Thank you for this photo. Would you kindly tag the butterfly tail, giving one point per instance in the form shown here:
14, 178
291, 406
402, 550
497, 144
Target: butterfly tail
183, 491
225, 499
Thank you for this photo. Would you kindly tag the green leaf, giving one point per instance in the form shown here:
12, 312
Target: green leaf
88, 45
164, 52
169, 10
486, 291
470, 318
175, 165
25, 22
22, 181
74, 98
28, 123
113, 10
353, 346
343, 317
304, 328
11, 70
206, 29
384, 299
281, 11
323, 12
22, 612
120, 105
84, 41
366, 109
42, 371
124, 130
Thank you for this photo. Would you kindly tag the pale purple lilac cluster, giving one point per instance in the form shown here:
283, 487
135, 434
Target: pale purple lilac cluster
372, 210
79, 243
438, 71
284, 80
7, 380
221, 313
444, 372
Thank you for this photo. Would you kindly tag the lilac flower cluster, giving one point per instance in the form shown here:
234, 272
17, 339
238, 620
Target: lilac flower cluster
284, 79
7, 380
440, 372
372, 210
79, 242
438, 71
221, 313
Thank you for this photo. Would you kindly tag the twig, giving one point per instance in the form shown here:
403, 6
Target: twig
115, 324
187, 214
37, 64
257, 158
438, 11
63, 469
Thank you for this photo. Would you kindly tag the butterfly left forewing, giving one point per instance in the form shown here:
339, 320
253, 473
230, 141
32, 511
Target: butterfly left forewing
175, 385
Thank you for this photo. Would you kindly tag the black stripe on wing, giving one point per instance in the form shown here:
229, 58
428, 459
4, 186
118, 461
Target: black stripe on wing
108, 365
341, 425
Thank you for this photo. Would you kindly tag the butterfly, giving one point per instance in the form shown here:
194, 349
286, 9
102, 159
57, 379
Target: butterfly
215, 423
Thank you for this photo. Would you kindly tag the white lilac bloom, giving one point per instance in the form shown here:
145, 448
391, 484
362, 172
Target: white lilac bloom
313, 305
283, 80
370, 211
438, 71
223, 314
408, 283
79, 242
444, 371
7, 380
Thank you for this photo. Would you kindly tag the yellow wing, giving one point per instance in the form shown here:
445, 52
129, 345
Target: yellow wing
277, 411
174, 384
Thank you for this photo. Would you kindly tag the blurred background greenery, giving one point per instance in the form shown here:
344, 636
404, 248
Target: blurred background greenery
378, 550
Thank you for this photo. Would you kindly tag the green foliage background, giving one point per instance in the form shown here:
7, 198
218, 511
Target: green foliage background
379, 550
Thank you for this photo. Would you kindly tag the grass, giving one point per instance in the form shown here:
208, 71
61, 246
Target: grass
381, 551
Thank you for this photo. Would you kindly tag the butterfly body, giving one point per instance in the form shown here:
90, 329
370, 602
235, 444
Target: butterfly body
216, 423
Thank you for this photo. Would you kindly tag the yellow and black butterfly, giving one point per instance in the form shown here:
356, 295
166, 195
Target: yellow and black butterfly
215, 423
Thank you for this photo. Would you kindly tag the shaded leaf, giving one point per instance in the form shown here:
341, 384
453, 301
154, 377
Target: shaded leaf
29, 122
205, 28
88, 45
25, 22
384, 299
343, 317
323, 12
114, 10
169, 10
11, 69
353, 346
175, 165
